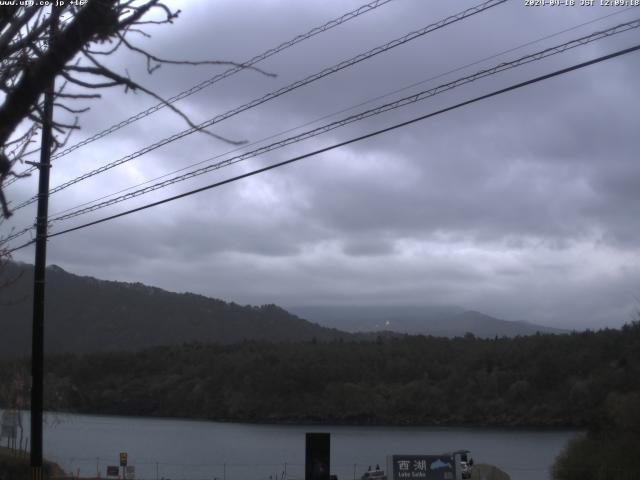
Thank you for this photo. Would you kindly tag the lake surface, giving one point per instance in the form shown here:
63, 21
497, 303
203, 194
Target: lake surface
184, 449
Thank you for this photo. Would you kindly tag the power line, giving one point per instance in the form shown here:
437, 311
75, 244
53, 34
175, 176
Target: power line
423, 95
17, 234
277, 93
231, 71
76, 211
25, 230
366, 102
347, 142
398, 103
216, 78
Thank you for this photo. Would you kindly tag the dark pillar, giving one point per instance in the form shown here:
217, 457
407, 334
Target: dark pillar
37, 339
317, 456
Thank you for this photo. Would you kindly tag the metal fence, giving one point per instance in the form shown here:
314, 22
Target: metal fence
149, 469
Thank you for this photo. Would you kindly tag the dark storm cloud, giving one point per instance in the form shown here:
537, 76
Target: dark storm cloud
524, 206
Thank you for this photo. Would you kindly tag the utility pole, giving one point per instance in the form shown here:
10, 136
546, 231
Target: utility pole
37, 339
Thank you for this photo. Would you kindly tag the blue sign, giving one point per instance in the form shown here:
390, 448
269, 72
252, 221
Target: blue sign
423, 467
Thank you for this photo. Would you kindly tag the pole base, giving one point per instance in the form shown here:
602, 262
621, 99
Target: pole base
36, 473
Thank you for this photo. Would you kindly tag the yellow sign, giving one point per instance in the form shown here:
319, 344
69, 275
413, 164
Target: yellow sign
123, 459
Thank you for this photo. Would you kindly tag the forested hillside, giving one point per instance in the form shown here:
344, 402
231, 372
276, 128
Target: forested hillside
542, 380
84, 314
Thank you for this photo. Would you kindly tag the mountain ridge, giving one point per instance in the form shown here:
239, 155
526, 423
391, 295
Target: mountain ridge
436, 320
86, 315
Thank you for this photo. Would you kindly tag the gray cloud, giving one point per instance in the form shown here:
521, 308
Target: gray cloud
524, 206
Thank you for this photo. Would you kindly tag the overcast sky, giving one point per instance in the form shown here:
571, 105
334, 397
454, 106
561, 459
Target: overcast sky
524, 206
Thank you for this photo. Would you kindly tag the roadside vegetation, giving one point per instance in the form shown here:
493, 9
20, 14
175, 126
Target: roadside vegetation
14, 466
610, 449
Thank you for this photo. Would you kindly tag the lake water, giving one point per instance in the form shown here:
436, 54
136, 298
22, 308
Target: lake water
184, 449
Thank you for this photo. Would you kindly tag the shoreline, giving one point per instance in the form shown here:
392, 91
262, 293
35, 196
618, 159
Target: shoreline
317, 424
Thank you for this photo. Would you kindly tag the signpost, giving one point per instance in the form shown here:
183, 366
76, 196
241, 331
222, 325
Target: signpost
9, 424
123, 463
113, 471
421, 467
130, 472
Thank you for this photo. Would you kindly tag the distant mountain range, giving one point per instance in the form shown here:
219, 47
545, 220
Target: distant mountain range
84, 314
442, 321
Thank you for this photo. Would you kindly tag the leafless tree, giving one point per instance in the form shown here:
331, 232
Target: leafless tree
86, 32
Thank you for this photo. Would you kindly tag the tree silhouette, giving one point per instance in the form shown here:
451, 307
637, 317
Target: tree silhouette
86, 32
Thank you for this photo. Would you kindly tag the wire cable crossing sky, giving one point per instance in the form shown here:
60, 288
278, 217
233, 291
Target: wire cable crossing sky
342, 144
216, 78
344, 110
621, 28
277, 93
522, 207
423, 95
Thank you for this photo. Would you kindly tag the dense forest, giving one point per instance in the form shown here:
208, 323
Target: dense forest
589, 380
540, 380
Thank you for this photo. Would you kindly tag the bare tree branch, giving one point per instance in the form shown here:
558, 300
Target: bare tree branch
160, 61
128, 83
92, 21
30, 61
